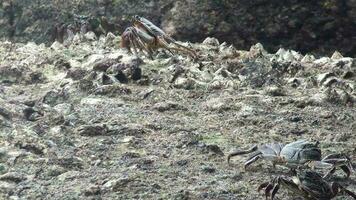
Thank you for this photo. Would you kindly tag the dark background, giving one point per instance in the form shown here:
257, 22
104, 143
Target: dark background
320, 27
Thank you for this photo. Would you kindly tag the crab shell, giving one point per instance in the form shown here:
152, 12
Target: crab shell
300, 152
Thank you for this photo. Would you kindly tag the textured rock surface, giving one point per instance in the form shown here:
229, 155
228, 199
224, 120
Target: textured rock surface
75, 131
306, 26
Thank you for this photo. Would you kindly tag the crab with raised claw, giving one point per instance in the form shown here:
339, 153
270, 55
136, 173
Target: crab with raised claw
147, 37
298, 154
308, 184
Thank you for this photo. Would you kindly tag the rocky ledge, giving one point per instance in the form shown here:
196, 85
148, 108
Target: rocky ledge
86, 120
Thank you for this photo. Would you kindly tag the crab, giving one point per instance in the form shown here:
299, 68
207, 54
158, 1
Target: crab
308, 184
298, 154
147, 37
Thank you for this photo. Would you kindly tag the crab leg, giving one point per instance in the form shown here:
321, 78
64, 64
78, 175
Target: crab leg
241, 152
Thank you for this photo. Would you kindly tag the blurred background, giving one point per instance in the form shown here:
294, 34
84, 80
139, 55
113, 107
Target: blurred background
319, 27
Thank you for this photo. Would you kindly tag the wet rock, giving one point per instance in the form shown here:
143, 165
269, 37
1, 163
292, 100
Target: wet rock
92, 130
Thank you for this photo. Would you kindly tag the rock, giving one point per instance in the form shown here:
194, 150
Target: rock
57, 46
215, 149
31, 114
6, 187
116, 184
257, 50
321, 78
283, 55
54, 97
90, 36
63, 108
126, 72
5, 113
13, 177
167, 106
92, 130
62, 64
218, 104
92, 190
208, 169
275, 91
336, 55
211, 41
104, 64
76, 73
308, 58
330, 81
184, 83
111, 90
127, 129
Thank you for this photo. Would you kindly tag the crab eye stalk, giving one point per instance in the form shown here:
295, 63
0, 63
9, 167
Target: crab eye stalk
136, 18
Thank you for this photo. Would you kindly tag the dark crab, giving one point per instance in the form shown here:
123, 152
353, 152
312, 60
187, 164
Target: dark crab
308, 184
298, 154
147, 37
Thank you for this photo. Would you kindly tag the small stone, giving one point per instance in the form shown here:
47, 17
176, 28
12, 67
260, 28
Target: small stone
336, 55
92, 190
308, 58
330, 81
322, 77
13, 177
211, 41
166, 106
90, 36
116, 184
111, 90
92, 130
208, 169
275, 91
